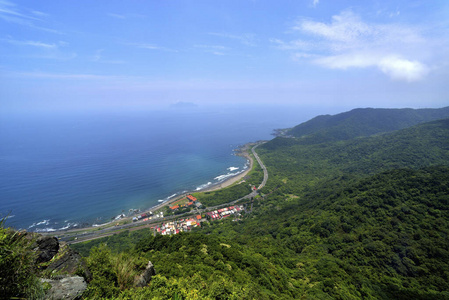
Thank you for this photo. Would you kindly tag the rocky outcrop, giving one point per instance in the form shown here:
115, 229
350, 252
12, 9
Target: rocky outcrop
69, 261
145, 277
46, 248
65, 287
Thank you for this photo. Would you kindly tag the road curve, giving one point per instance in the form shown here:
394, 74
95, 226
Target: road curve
265, 172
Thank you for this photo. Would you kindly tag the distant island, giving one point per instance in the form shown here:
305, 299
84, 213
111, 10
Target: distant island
183, 105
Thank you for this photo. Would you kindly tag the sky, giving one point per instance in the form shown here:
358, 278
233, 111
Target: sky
118, 55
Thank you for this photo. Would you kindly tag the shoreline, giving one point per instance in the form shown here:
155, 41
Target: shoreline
243, 151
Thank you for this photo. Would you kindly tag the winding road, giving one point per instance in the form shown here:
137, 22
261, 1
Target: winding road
265, 172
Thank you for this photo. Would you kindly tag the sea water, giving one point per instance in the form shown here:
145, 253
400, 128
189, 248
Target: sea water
64, 170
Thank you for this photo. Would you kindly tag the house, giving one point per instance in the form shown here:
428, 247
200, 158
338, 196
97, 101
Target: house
191, 198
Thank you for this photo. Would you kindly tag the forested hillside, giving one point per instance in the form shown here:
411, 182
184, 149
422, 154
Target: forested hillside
294, 164
364, 122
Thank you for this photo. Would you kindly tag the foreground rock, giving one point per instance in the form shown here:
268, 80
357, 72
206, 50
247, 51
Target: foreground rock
68, 261
65, 287
46, 248
53, 259
145, 277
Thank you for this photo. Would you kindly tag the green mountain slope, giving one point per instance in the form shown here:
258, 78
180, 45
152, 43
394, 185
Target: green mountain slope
300, 165
364, 122
382, 237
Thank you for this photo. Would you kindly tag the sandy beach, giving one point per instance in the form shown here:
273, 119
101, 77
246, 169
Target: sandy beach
237, 178
244, 152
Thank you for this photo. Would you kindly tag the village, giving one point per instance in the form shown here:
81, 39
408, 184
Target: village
187, 224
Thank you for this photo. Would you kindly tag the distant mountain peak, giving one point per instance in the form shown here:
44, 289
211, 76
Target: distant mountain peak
362, 122
183, 105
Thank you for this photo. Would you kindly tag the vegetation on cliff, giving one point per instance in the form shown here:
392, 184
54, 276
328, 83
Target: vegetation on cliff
17, 269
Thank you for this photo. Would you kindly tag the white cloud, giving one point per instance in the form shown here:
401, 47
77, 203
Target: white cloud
246, 39
315, 3
33, 43
151, 47
117, 16
39, 13
42, 50
213, 49
10, 12
403, 69
300, 44
394, 66
98, 57
348, 42
62, 76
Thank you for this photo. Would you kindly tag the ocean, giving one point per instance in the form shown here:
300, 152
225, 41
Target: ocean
65, 170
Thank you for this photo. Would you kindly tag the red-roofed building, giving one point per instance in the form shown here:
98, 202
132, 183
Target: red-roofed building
175, 207
191, 198
198, 217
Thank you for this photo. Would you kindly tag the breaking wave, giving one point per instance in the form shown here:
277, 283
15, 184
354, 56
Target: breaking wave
203, 186
44, 222
225, 176
69, 225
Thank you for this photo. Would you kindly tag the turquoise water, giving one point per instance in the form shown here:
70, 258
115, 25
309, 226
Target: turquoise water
76, 169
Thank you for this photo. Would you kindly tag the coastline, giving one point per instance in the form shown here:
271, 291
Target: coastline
243, 151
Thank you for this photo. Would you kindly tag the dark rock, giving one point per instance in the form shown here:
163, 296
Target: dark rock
47, 247
145, 277
64, 287
69, 261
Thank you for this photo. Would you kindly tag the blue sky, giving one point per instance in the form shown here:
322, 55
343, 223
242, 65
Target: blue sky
81, 55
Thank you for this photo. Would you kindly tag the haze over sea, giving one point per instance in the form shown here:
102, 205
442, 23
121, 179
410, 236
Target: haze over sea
63, 170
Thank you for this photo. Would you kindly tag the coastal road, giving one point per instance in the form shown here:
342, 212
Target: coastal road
89, 235
265, 172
